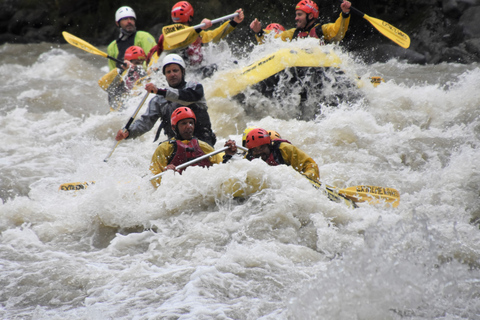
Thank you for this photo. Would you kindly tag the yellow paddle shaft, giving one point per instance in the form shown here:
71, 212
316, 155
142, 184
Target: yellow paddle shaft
85, 46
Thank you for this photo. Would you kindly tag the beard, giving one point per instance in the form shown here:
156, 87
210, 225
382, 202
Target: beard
125, 34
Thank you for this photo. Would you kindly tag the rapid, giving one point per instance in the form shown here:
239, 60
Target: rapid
188, 250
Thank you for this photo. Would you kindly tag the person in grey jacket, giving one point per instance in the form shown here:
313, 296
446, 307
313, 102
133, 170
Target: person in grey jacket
179, 93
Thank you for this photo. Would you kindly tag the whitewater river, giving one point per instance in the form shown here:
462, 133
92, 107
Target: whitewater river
122, 250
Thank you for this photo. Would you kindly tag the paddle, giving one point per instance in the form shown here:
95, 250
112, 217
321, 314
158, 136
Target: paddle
127, 126
365, 193
362, 193
79, 43
173, 38
389, 31
186, 164
70, 186
83, 185
369, 193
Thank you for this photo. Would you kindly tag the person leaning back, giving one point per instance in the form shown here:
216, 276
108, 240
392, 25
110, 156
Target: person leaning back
178, 93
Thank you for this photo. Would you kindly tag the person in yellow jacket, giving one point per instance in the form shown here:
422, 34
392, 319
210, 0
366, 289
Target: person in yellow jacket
272, 27
185, 147
272, 133
307, 24
129, 36
191, 48
119, 81
278, 151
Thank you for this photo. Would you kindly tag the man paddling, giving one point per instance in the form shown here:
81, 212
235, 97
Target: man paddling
190, 48
307, 24
129, 36
278, 151
184, 146
179, 93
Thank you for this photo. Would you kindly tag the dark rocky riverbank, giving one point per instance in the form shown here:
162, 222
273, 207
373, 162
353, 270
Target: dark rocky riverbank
440, 30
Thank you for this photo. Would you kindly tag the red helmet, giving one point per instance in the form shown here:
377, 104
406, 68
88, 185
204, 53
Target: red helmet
308, 6
275, 27
181, 12
257, 137
180, 114
135, 53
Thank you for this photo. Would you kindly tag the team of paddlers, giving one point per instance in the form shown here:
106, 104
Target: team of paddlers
181, 107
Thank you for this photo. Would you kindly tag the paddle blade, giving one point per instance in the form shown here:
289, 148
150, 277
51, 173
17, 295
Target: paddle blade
75, 186
389, 31
333, 195
372, 194
81, 44
177, 35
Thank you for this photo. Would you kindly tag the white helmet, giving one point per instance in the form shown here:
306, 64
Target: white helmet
172, 58
124, 12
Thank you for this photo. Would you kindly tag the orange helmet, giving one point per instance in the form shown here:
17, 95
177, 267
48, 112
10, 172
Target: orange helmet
135, 53
180, 114
257, 137
181, 12
275, 27
308, 6
274, 135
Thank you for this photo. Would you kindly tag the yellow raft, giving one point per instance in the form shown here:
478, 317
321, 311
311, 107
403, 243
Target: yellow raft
299, 82
242, 188
233, 82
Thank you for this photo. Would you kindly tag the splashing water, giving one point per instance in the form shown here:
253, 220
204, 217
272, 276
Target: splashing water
189, 250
